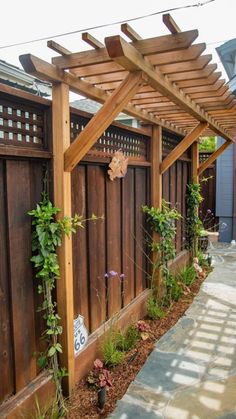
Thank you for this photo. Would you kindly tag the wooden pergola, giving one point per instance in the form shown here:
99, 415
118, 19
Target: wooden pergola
166, 82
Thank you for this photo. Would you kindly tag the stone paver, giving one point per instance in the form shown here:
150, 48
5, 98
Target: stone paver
191, 373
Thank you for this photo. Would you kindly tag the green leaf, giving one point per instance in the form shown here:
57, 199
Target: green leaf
58, 347
62, 372
38, 259
50, 332
42, 361
53, 227
52, 351
40, 289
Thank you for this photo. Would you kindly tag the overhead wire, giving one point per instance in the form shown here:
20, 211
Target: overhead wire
199, 4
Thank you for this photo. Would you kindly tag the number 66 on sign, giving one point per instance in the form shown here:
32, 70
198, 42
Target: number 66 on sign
80, 334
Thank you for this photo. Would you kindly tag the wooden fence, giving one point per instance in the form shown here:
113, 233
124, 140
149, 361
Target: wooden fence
23, 157
115, 243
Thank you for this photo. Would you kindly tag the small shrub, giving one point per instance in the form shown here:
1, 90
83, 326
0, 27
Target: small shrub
99, 376
124, 341
187, 275
174, 290
111, 355
153, 309
203, 260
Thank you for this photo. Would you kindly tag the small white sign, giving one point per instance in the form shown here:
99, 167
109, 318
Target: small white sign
80, 334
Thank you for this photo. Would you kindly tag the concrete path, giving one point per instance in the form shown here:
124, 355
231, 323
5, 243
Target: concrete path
191, 373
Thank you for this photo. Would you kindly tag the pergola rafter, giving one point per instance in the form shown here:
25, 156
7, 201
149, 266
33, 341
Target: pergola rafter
127, 55
46, 71
147, 47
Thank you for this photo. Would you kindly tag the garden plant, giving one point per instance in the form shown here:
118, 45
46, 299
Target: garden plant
46, 238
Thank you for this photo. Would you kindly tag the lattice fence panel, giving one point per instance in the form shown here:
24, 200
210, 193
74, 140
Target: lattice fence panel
203, 156
133, 145
170, 141
21, 125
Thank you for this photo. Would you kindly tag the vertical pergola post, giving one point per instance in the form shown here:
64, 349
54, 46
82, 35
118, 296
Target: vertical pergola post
156, 192
62, 200
195, 162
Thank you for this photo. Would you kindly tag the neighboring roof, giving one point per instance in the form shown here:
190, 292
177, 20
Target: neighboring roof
86, 105
16, 77
227, 54
90, 106
232, 85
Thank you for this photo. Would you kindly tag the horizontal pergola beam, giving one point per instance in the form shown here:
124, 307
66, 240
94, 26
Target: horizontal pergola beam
182, 146
131, 59
213, 157
46, 71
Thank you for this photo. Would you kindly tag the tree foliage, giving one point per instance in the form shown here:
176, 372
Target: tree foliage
207, 144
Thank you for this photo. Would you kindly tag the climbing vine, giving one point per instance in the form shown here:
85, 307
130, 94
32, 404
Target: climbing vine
194, 225
46, 237
162, 221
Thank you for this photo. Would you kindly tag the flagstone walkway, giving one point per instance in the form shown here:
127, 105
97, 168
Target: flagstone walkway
191, 373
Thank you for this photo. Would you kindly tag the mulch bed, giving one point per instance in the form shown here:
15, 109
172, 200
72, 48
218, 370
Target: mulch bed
83, 403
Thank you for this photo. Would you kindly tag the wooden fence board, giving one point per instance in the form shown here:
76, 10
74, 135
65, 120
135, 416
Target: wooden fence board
128, 236
179, 193
97, 245
18, 199
80, 266
208, 191
6, 356
166, 185
113, 223
36, 187
173, 184
185, 180
140, 247
172, 174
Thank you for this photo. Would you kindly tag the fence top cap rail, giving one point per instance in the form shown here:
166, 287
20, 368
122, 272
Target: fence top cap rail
177, 78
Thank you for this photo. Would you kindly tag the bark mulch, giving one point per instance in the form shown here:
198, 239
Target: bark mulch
83, 403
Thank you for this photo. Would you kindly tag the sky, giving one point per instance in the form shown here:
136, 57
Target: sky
27, 20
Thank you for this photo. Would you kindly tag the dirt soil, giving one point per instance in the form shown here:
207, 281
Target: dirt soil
83, 403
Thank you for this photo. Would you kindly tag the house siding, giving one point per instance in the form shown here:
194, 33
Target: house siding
224, 192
